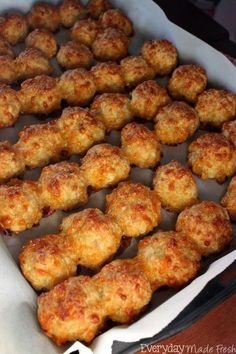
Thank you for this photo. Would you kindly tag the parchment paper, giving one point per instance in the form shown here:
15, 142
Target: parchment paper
19, 330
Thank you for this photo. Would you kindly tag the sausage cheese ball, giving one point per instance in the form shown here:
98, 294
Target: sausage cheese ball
44, 15
80, 130
207, 224
229, 131
212, 156
140, 145
108, 77
77, 86
229, 199
8, 73
62, 186
110, 44
187, 82
95, 236
85, 31
175, 123
117, 19
136, 70
43, 40
11, 163
113, 109
20, 206
125, 290
32, 62
175, 186
161, 55
136, 208
97, 7
215, 107
148, 98
39, 95
73, 55
71, 310
38, 144
47, 261
5, 48
10, 106
13, 27
71, 11
105, 165
168, 258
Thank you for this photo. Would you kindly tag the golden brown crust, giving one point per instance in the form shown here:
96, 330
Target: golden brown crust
229, 199
13, 27
187, 82
8, 73
148, 98
80, 130
229, 131
44, 15
73, 55
212, 156
105, 165
85, 31
71, 11
11, 163
140, 145
175, 123
43, 40
5, 48
175, 186
110, 44
113, 109
10, 106
97, 7
136, 208
161, 55
117, 19
108, 77
136, 70
215, 107
207, 224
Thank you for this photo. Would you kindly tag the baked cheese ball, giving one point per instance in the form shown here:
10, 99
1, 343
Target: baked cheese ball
135, 208
71, 11
20, 205
72, 310
108, 77
175, 123
117, 19
136, 70
215, 107
161, 55
39, 144
140, 145
85, 31
5, 48
43, 40
39, 95
229, 199
97, 7
47, 261
13, 27
113, 109
62, 186
44, 15
175, 186
124, 288
168, 258
95, 236
11, 163
212, 156
207, 224
110, 44
73, 55
32, 62
10, 106
104, 165
187, 82
148, 98
79, 130
77, 86
229, 131
8, 73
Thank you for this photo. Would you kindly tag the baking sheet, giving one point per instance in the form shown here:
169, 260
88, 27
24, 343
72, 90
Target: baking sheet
19, 332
